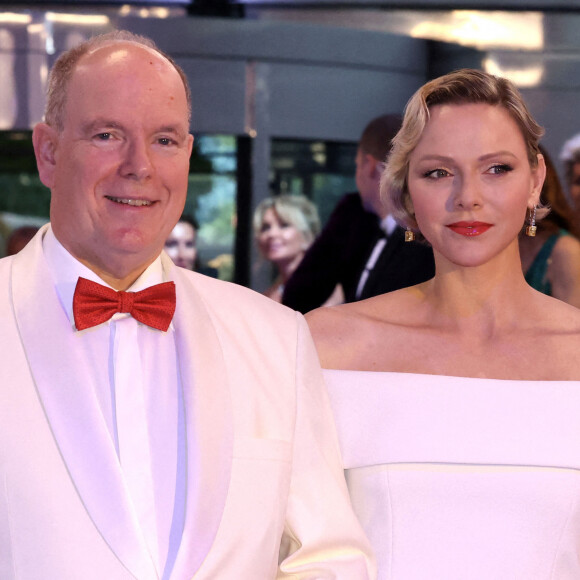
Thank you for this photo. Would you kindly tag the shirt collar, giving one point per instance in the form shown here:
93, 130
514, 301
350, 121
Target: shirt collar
388, 224
66, 270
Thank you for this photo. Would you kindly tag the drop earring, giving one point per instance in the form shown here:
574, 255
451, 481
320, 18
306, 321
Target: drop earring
531, 227
409, 235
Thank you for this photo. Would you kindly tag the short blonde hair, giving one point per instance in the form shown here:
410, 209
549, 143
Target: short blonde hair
460, 87
296, 210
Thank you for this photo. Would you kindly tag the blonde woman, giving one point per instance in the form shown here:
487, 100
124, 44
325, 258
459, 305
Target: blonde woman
285, 226
457, 401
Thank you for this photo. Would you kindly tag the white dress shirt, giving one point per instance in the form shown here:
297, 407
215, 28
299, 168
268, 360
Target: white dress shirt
157, 375
388, 224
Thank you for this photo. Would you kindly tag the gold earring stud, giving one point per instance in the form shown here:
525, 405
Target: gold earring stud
409, 235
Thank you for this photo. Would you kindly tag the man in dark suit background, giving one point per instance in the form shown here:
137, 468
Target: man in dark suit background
361, 247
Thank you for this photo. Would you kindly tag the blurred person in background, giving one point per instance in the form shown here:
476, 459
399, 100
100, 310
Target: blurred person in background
361, 247
570, 156
551, 258
285, 226
19, 238
181, 246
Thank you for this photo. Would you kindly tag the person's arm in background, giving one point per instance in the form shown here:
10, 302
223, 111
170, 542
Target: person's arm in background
564, 270
336, 257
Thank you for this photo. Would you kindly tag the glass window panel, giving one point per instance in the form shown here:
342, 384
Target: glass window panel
211, 199
24, 201
323, 171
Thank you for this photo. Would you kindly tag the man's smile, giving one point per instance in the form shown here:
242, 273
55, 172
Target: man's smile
128, 201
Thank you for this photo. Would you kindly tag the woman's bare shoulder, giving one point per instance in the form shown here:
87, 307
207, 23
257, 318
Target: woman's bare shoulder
342, 332
328, 323
328, 320
554, 313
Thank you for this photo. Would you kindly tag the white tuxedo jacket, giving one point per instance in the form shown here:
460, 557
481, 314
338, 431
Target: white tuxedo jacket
263, 467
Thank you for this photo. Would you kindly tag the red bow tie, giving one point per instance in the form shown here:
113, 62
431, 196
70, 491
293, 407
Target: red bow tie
94, 304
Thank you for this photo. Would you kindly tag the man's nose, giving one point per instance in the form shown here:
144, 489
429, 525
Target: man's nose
137, 161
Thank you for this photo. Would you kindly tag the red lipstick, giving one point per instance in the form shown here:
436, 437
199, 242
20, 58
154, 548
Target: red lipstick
469, 228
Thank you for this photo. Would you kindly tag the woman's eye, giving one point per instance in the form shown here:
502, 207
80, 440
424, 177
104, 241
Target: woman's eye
500, 168
437, 173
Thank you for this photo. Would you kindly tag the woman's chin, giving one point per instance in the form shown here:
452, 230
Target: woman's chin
280, 258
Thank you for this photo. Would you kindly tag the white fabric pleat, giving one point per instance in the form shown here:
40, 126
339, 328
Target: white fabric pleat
132, 432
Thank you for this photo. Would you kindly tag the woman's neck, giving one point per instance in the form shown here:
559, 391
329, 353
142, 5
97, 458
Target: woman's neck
481, 297
287, 267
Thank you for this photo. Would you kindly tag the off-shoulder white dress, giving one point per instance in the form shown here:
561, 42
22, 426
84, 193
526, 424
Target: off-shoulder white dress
463, 479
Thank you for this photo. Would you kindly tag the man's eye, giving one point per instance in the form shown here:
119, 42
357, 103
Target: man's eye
103, 136
166, 141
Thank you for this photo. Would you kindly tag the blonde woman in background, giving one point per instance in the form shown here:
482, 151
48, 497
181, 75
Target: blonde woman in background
457, 401
285, 226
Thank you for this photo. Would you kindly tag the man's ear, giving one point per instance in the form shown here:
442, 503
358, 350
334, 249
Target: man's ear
45, 141
375, 166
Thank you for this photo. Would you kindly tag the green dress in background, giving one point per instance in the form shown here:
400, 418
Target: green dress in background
536, 276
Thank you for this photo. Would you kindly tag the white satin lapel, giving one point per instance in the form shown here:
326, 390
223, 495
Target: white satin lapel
208, 421
59, 372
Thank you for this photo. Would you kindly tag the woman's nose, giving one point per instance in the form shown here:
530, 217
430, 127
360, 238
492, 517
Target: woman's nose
467, 194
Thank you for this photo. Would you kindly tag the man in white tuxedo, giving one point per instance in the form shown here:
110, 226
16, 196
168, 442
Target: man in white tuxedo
154, 423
